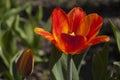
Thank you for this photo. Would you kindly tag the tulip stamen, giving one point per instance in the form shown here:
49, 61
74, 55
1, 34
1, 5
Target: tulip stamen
72, 34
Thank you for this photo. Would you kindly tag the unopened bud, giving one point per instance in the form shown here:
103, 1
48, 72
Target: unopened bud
25, 63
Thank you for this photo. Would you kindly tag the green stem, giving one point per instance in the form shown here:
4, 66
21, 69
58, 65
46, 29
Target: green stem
83, 57
69, 67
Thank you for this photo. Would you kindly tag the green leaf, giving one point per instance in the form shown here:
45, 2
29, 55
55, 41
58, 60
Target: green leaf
7, 74
8, 46
99, 64
13, 69
55, 56
5, 4
80, 59
14, 3
59, 70
24, 31
3, 58
116, 63
39, 14
17, 29
58, 66
14, 11
115, 75
28, 31
9, 22
30, 16
116, 34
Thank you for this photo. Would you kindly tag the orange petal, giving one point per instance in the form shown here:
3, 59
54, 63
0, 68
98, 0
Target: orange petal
44, 33
25, 63
73, 44
95, 23
84, 26
99, 39
49, 36
75, 16
60, 23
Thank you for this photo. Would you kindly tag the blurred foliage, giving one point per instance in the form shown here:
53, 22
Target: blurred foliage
99, 64
17, 33
116, 32
115, 74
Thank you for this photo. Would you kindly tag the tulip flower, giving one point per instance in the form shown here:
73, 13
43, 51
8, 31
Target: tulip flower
75, 31
25, 63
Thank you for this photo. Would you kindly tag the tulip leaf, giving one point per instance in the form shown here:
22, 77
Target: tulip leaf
15, 11
17, 29
8, 46
99, 64
13, 69
59, 67
116, 63
116, 75
7, 74
3, 57
27, 29
10, 21
4, 6
55, 56
7, 42
80, 59
116, 32
39, 14
14, 3
24, 31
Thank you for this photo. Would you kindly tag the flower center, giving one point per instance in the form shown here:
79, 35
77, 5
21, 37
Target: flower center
72, 34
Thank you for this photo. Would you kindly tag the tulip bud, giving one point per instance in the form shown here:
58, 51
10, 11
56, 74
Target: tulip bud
25, 63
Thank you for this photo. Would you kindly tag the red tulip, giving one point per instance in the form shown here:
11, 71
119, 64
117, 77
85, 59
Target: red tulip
75, 31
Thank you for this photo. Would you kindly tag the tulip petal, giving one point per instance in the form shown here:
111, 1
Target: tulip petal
73, 44
84, 26
99, 39
25, 63
95, 24
60, 23
75, 16
49, 37
44, 33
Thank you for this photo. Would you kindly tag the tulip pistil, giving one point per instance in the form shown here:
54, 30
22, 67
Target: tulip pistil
72, 34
